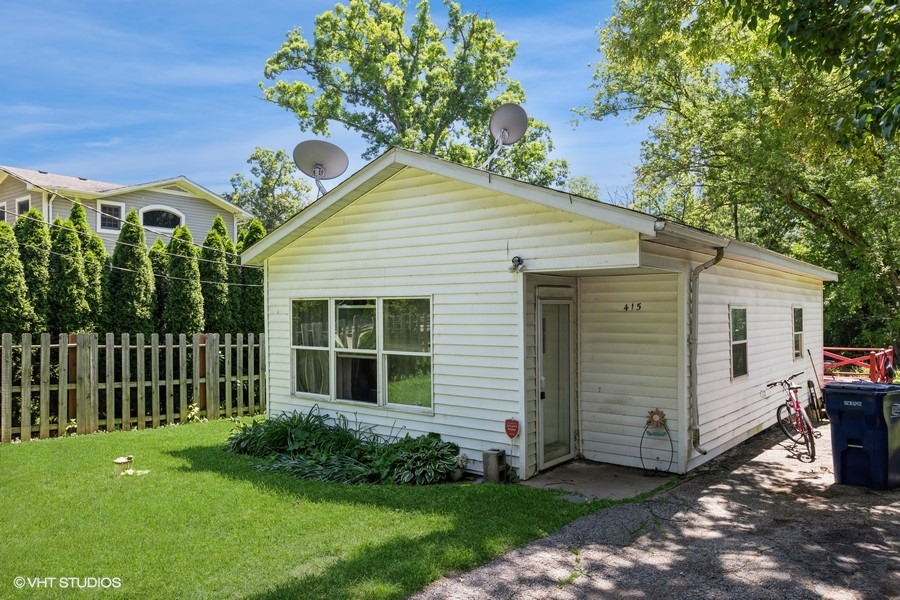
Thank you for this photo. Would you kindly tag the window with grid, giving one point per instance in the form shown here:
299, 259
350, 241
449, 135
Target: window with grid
798, 332
739, 354
23, 205
110, 216
378, 349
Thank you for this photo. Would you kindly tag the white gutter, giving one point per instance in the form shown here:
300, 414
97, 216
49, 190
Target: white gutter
693, 337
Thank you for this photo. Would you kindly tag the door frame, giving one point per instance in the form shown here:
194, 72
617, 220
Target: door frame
539, 329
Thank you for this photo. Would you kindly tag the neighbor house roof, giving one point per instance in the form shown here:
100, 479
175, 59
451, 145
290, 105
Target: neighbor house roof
397, 159
90, 188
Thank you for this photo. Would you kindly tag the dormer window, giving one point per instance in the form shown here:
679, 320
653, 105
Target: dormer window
161, 217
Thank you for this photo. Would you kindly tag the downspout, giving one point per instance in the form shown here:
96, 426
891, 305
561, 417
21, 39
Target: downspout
693, 336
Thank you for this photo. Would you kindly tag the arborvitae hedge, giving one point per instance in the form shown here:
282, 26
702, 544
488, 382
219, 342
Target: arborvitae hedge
67, 308
131, 286
214, 284
16, 313
34, 252
183, 311
160, 261
251, 302
96, 269
234, 272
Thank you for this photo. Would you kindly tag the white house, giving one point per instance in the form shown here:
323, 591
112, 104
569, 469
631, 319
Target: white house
435, 297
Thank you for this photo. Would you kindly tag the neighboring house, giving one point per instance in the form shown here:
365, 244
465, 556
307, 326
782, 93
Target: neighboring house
420, 295
161, 205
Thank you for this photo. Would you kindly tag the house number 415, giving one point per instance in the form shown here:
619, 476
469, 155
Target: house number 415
633, 306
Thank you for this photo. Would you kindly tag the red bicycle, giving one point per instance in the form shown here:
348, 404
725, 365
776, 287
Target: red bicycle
792, 417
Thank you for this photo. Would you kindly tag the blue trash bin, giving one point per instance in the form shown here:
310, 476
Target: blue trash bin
865, 433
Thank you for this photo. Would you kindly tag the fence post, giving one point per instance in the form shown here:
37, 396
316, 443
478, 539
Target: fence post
72, 372
199, 356
45, 386
140, 396
873, 367
62, 388
6, 389
228, 350
212, 376
182, 379
251, 382
154, 378
170, 393
239, 400
25, 396
126, 382
110, 382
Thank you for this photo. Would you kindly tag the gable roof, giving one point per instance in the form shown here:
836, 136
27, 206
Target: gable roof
82, 187
397, 159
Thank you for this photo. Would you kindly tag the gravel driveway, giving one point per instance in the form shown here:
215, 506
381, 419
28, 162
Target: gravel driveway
754, 523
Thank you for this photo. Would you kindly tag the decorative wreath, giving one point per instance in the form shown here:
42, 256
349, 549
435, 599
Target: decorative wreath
656, 419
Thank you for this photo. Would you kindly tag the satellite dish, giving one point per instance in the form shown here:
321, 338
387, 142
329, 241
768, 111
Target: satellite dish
320, 160
508, 124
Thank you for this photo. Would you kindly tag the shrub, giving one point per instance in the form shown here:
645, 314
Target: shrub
183, 311
67, 308
214, 284
16, 313
34, 252
251, 304
313, 446
159, 261
131, 285
96, 269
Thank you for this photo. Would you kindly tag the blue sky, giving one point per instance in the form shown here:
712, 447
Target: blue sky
129, 91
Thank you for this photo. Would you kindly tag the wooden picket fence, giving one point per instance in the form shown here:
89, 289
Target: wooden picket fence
73, 383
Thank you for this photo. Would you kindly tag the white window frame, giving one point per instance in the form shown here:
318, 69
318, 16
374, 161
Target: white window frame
153, 207
3, 211
100, 204
732, 342
19, 200
795, 352
380, 363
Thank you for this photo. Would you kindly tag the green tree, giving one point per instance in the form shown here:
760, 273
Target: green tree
67, 307
16, 313
234, 270
183, 310
252, 313
859, 39
214, 284
96, 268
159, 261
418, 86
742, 142
274, 193
131, 285
34, 253
584, 186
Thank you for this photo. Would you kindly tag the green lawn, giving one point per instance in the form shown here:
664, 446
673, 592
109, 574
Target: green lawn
205, 523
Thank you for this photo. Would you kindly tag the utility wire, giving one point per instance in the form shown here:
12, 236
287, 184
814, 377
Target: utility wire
51, 224
123, 221
163, 275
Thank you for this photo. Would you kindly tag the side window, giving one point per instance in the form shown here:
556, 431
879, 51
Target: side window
798, 332
23, 205
161, 217
3, 211
738, 342
309, 345
110, 216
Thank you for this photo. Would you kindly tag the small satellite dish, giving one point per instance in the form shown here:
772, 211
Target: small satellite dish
320, 160
508, 124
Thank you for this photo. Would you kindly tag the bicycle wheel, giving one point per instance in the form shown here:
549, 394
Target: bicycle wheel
787, 420
810, 441
809, 438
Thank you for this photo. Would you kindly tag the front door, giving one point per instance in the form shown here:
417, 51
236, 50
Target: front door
555, 382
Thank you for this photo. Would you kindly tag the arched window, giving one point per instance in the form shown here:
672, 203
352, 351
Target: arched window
161, 217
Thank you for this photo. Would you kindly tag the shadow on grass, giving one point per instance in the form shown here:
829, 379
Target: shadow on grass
484, 522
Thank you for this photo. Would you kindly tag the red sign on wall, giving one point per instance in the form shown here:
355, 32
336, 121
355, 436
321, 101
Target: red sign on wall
512, 428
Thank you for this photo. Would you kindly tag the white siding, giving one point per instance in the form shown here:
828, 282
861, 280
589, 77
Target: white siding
423, 234
731, 410
630, 363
